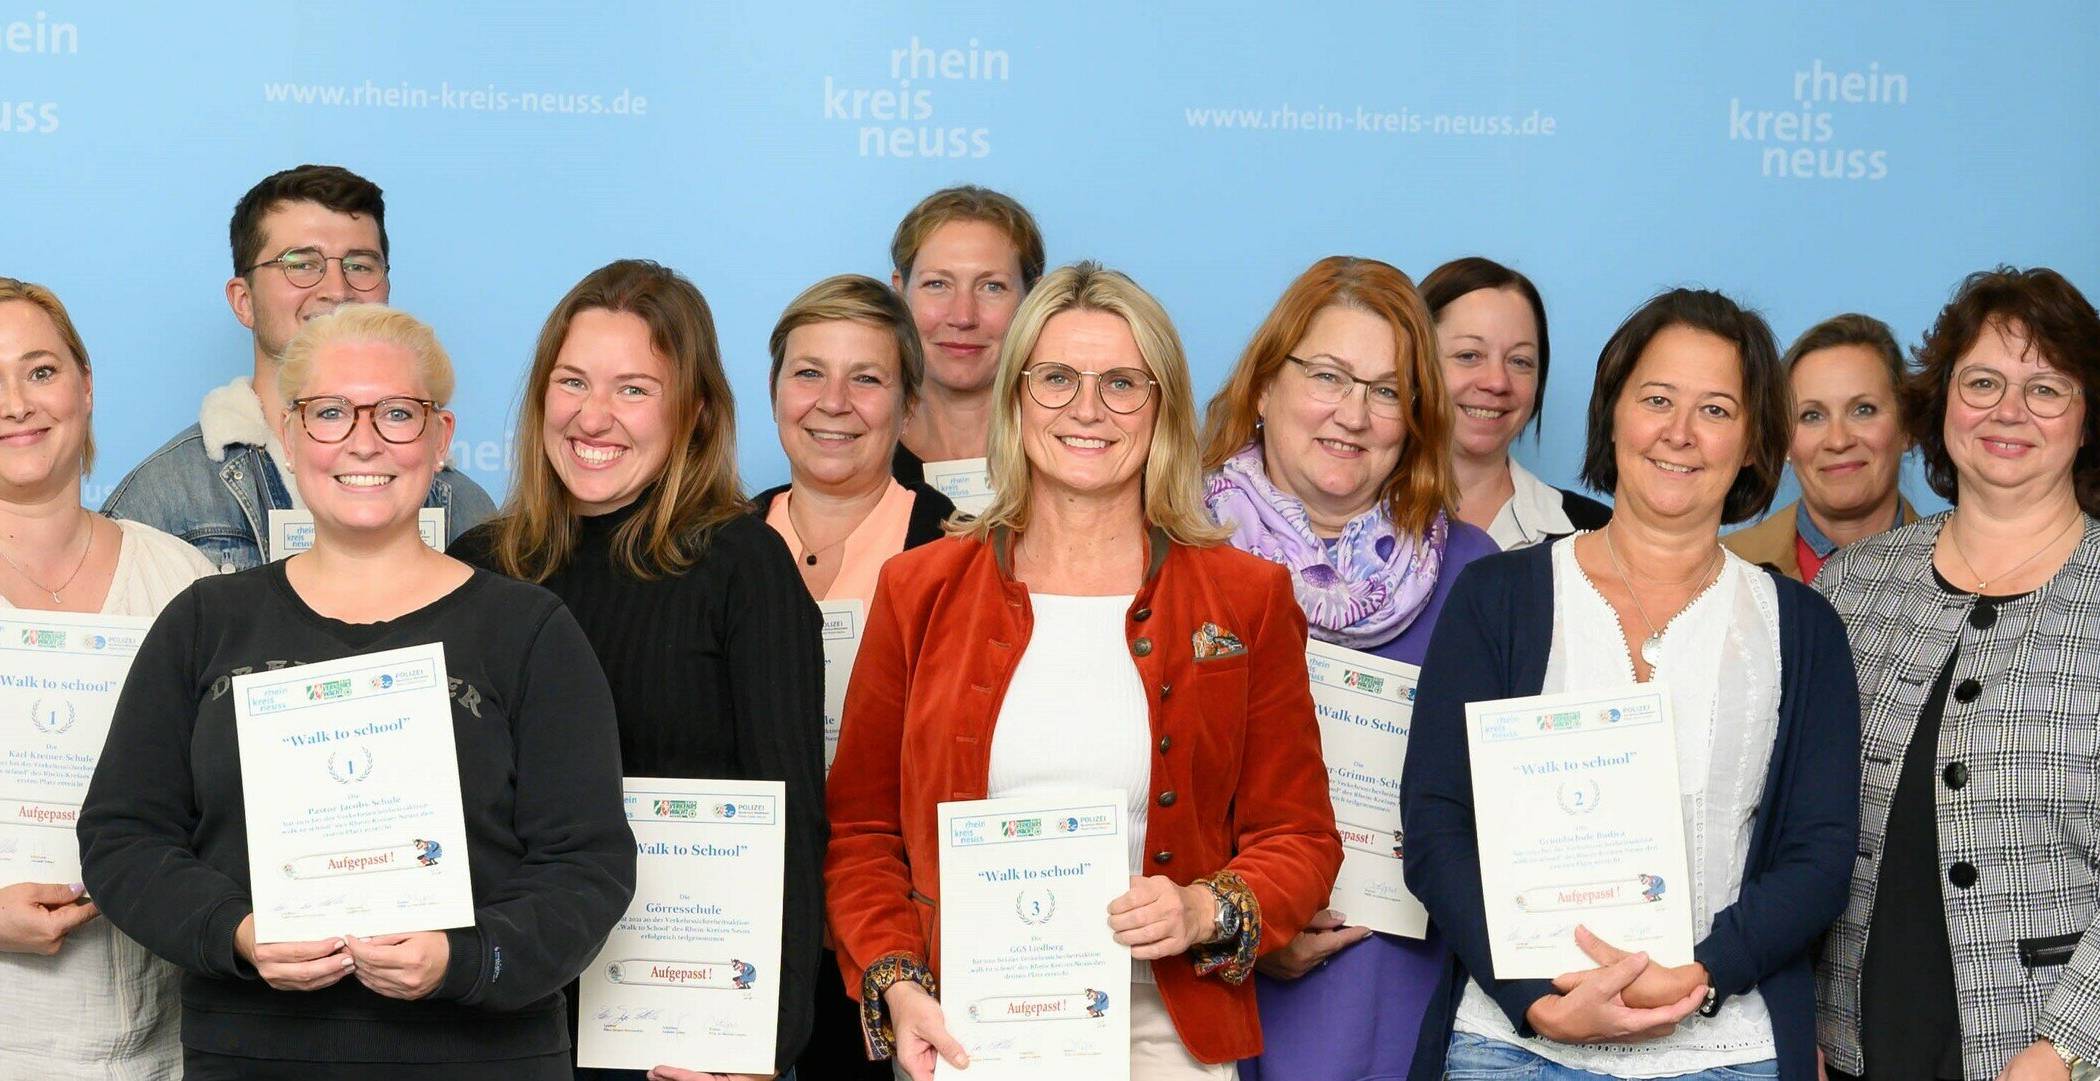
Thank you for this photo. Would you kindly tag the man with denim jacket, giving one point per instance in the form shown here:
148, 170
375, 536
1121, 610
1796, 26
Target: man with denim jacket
305, 242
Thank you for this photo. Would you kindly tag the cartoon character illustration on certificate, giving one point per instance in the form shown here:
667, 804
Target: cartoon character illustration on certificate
745, 975
1651, 888
427, 852
1096, 1002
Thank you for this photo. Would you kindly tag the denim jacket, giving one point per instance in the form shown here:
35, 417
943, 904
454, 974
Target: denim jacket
217, 493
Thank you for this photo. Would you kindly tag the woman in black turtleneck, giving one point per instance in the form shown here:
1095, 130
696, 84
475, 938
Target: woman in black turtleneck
625, 503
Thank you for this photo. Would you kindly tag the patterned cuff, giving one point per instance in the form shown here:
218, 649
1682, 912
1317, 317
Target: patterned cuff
874, 1012
1232, 959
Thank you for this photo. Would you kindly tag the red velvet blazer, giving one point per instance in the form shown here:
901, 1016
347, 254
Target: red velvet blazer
1238, 783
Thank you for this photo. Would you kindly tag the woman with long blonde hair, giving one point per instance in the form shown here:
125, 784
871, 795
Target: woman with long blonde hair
1088, 631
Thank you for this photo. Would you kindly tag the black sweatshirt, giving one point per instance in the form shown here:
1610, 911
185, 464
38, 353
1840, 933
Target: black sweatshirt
717, 673
164, 844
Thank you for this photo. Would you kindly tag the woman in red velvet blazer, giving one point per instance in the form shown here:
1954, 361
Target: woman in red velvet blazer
1087, 631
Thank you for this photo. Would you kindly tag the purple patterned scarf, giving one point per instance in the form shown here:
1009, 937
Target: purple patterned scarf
1363, 589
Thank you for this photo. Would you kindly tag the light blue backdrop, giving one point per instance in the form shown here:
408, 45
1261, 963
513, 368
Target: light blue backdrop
1212, 151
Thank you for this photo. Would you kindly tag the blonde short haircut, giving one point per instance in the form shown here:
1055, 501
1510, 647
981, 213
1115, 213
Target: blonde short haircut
374, 323
47, 301
853, 298
1172, 485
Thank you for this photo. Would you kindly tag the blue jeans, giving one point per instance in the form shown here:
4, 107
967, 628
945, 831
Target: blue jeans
1478, 1058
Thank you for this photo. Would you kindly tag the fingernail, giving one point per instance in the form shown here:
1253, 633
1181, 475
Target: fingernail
77, 888
349, 962
339, 943
1336, 915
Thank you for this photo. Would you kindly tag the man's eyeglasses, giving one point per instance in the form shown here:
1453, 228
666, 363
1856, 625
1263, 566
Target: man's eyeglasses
364, 271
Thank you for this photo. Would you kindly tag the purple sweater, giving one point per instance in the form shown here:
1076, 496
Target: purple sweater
1355, 1018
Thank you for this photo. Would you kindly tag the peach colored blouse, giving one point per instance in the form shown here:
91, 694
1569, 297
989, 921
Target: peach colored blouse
878, 537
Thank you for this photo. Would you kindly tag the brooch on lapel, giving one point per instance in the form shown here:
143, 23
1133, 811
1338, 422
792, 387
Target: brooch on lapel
1212, 642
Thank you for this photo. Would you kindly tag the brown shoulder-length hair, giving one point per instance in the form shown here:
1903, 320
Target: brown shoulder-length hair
1767, 400
698, 489
1421, 484
2037, 306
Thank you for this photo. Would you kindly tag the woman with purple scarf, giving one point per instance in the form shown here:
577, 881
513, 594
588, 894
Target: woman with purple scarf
1327, 454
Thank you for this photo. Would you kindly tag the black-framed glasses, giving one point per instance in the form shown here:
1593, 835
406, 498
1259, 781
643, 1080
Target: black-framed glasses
363, 271
1331, 384
1123, 390
330, 418
2047, 396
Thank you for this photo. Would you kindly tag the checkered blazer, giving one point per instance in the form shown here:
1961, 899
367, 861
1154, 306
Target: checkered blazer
2016, 783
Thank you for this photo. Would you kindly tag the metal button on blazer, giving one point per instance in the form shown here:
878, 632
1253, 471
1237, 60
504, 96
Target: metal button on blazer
1142, 647
1956, 775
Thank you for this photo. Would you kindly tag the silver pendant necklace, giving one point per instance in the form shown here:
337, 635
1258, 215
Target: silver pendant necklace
62, 586
1651, 646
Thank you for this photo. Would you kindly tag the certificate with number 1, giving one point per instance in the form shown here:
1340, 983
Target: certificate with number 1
351, 781
60, 673
1033, 983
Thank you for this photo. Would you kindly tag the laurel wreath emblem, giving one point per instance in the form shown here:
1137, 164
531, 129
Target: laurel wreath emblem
342, 765
1045, 907
52, 726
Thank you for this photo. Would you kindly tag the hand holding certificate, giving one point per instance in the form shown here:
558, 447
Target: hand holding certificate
1033, 982
351, 781
1579, 823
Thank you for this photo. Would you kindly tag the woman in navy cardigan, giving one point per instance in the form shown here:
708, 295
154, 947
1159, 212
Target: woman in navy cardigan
1688, 431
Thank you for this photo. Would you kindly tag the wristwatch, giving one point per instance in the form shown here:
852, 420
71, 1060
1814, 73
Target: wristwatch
1712, 1005
1227, 923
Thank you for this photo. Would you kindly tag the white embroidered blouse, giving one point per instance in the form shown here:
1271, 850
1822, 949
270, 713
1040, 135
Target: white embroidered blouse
1720, 659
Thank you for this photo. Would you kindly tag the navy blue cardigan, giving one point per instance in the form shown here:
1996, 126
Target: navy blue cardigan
1492, 642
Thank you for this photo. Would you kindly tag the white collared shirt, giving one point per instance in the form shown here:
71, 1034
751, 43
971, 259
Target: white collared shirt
1534, 512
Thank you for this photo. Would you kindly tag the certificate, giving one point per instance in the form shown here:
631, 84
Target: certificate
843, 623
292, 531
691, 975
967, 482
1365, 705
1033, 982
351, 784
59, 677
1579, 822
